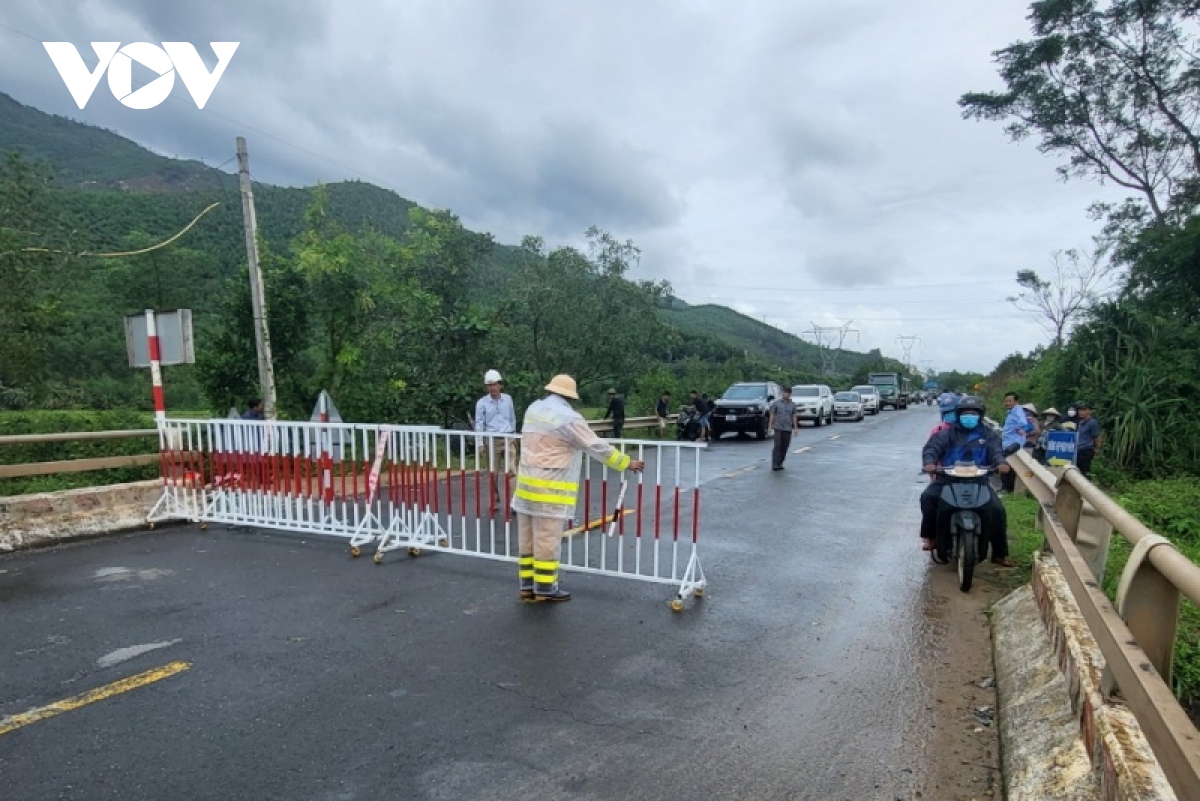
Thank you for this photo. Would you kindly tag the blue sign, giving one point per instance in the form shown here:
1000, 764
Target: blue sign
1060, 448
931, 385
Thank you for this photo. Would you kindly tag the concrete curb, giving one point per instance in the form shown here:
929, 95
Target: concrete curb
1121, 758
1043, 757
1060, 737
47, 518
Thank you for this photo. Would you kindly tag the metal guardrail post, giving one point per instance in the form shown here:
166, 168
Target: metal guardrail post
1068, 506
1149, 604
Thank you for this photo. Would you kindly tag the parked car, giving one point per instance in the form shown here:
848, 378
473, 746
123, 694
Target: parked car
870, 398
745, 408
848, 406
813, 402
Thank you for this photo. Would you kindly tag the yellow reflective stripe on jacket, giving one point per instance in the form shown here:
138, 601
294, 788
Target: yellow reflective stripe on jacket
618, 460
548, 483
537, 497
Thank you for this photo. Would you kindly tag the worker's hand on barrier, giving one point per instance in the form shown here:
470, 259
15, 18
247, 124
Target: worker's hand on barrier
930, 468
636, 466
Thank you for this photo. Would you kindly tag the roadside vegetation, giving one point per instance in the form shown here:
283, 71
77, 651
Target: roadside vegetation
1107, 88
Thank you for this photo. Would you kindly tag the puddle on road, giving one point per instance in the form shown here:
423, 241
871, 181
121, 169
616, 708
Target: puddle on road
114, 574
125, 654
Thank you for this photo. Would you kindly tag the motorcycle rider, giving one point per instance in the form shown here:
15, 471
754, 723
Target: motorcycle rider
967, 439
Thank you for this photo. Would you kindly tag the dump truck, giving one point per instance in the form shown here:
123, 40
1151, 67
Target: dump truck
893, 389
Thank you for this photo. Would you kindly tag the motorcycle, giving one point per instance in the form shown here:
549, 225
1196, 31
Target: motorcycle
965, 490
687, 426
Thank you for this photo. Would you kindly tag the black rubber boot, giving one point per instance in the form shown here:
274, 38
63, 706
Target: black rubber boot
552, 593
527, 589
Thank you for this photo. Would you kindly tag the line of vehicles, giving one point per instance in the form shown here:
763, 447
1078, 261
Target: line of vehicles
744, 408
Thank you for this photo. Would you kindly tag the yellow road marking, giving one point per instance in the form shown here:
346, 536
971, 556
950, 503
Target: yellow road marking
593, 524
739, 471
14, 722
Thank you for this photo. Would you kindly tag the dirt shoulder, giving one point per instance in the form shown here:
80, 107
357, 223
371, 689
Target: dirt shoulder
962, 745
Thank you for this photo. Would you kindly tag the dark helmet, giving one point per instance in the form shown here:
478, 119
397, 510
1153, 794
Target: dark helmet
971, 403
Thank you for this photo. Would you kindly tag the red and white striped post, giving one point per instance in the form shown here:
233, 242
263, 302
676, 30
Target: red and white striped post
160, 409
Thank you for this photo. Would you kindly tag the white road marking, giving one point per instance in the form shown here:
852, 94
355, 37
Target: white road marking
124, 654
802, 450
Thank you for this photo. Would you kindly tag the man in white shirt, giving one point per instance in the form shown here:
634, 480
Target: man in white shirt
494, 414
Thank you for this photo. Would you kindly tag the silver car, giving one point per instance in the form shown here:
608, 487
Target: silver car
848, 406
870, 398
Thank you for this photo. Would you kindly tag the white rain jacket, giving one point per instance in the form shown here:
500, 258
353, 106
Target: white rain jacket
553, 439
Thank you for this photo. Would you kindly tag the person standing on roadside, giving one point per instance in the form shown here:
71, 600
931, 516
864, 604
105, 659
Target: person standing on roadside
662, 410
783, 423
616, 408
554, 439
702, 409
1012, 439
1088, 439
254, 410
495, 414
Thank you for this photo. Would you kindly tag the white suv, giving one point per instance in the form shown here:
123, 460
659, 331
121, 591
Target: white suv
813, 402
870, 398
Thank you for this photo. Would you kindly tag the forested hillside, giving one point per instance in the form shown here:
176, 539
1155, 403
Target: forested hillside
394, 308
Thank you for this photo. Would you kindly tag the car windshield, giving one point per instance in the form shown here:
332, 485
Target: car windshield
863, 390
745, 392
847, 396
806, 392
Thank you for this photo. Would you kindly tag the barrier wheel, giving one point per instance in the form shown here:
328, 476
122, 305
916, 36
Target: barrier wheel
355, 552
414, 552
698, 592
444, 543
676, 605
150, 526
204, 526
377, 559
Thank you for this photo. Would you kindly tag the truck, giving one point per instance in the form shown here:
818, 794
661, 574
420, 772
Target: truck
893, 388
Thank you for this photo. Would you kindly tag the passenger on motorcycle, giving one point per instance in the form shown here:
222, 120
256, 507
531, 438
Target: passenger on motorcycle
967, 439
947, 409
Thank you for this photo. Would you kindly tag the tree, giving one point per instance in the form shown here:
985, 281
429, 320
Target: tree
1078, 280
1112, 87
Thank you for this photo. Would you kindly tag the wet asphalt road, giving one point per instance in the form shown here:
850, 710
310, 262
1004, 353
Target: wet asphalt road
313, 676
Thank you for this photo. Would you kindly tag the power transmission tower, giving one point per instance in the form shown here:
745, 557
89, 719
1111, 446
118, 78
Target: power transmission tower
258, 300
829, 339
906, 344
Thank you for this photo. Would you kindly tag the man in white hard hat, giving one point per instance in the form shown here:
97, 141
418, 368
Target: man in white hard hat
494, 414
554, 438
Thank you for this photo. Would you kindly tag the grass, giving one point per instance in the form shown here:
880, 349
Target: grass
1142, 499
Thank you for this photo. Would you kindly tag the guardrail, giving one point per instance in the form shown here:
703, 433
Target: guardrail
77, 465
141, 459
1137, 636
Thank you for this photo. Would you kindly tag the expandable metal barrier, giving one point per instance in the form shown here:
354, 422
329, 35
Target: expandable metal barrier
425, 488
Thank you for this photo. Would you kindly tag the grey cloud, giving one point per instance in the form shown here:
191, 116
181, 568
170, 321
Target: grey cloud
848, 268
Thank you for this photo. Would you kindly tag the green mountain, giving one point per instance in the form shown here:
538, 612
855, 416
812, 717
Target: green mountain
111, 194
756, 339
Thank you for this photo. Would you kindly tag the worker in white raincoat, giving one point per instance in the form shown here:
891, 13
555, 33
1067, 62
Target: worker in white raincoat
554, 438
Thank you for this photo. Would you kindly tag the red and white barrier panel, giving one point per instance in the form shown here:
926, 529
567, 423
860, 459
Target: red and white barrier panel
423, 488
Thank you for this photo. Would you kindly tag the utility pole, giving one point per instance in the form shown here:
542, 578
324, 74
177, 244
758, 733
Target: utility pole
258, 300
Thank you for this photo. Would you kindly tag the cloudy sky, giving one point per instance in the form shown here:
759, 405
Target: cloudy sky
803, 162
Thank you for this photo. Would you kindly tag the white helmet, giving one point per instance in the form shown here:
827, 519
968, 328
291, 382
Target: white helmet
492, 377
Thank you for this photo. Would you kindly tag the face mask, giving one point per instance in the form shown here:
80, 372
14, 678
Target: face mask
949, 417
1071, 413
969, 421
